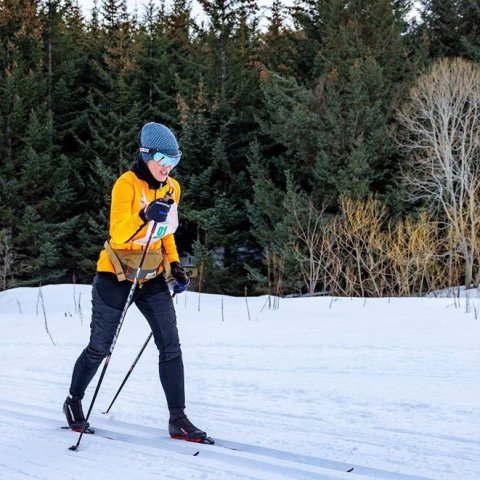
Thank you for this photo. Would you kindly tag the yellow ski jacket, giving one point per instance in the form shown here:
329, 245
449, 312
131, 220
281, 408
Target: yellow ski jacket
128, 231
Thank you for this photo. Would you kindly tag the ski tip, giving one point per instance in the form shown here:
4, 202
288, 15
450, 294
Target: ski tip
350, 470
195, 454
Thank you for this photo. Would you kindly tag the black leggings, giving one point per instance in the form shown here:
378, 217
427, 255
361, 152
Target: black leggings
154, 301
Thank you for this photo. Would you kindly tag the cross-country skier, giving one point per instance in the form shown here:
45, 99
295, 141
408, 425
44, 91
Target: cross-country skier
144, 197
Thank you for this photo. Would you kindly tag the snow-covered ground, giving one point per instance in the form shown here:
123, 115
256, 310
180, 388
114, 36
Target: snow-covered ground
388, 387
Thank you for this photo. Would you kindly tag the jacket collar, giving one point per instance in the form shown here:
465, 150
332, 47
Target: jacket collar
140, 169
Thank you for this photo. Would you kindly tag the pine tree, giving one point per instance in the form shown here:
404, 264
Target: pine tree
221, 109
114, 122
271, 215
153, 69
213, 213
277, 50
452, 28
45, 223
65, 61
291, 121
166, 66
34, 181
362, 68
470, 28
66, 65
441, 22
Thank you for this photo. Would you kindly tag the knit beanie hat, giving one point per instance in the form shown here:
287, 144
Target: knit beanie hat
159, 137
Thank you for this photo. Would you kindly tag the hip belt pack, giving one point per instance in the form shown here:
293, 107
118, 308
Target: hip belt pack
127, 262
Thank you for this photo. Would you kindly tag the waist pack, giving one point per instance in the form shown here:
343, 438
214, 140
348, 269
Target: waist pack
126, 263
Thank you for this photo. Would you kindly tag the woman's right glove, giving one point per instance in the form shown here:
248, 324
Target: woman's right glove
181, 278
156, 210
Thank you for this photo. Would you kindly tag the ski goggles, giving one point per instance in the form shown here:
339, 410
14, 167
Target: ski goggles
162, 158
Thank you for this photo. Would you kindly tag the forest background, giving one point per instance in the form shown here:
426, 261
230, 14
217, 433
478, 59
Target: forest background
332, 146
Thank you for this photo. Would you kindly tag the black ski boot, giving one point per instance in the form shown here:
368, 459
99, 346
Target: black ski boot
72, 408
181, 428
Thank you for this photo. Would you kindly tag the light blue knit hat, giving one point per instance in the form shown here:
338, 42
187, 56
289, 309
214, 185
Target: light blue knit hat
159, 137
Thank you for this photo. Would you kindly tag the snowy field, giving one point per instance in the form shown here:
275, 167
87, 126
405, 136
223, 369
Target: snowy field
387, 387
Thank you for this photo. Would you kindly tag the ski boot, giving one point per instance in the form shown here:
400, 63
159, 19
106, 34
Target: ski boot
181, 428
72, 408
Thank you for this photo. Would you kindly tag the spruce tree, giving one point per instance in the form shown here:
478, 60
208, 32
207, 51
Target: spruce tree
66, 65
271, 215
45, 224
362, 70
221, 109
290, 122
166, 66
470, 27
278, 44
452, 28
35, 186
114, 122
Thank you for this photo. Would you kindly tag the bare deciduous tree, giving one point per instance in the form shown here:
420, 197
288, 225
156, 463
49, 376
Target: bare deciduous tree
413, 247
309, 246
360, 236
441, 127
9, 261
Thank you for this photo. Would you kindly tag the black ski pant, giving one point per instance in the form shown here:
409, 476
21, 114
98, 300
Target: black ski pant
153, 299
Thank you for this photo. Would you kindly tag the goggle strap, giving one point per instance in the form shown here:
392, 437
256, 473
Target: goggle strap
153, 151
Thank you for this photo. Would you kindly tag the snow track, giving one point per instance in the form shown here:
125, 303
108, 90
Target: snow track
228, 456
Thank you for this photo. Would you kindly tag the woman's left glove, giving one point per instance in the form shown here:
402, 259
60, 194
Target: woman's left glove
181, 278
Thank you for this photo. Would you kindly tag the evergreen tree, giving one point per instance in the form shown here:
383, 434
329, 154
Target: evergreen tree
330, 127
471, 29
166, 65
215, 177
441, 22
45, 223
249, 106
34, 182
278, 45
114, 121
291, 121
66, 63
452, 28
362, 69
271, 214
213, 212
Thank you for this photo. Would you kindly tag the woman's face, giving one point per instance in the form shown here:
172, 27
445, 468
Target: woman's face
159, 173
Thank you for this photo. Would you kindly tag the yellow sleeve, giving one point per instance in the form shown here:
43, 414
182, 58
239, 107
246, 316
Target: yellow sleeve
123, 223
170, 247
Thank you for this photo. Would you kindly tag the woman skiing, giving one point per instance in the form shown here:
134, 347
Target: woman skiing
143, 208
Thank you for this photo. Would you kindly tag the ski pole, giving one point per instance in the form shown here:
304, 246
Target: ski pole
114, 341
130, 371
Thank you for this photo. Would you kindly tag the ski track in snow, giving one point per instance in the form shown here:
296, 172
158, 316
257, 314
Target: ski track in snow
389, 387
233, 453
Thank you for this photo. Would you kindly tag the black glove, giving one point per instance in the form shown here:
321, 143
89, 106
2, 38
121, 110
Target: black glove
181, 278
156, 210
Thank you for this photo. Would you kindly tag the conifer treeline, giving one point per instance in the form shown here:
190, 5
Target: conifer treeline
270, 107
